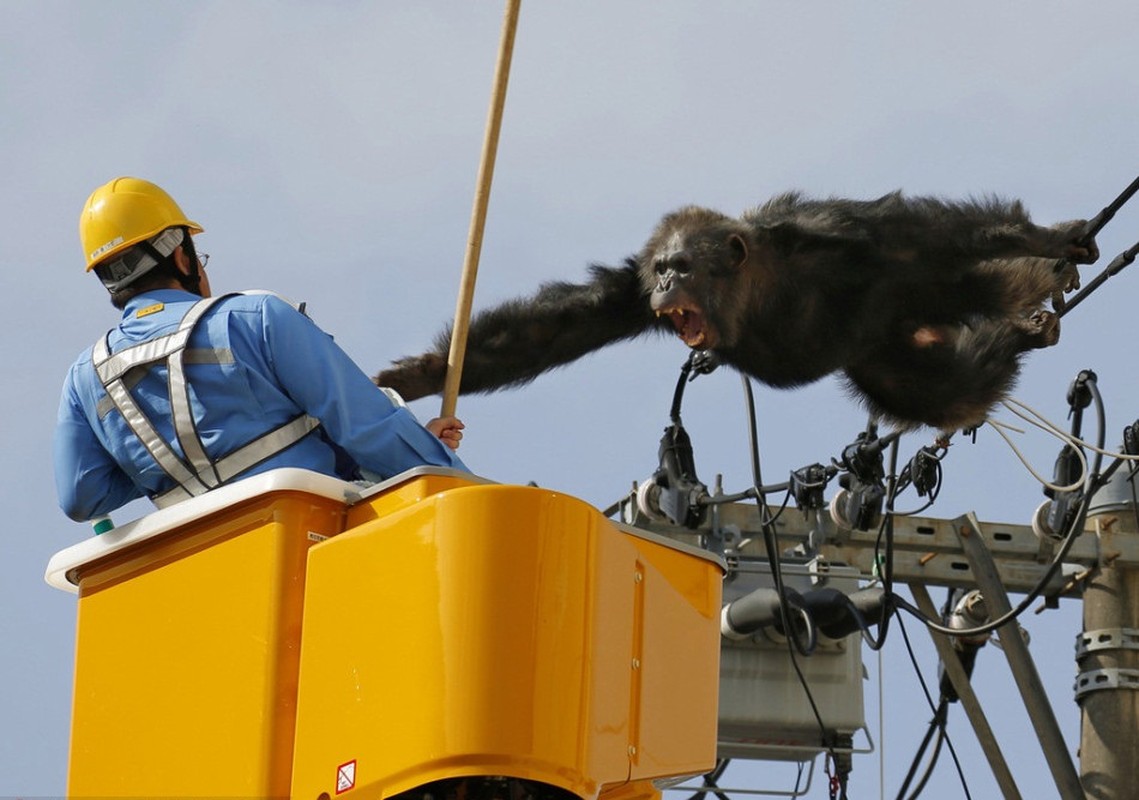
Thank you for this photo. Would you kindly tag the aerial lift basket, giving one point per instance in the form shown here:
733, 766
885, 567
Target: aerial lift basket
290, 635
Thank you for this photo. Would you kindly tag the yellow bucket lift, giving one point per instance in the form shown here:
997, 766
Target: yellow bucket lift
294, 635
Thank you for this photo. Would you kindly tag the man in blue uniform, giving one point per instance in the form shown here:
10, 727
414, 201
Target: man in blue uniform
192, 391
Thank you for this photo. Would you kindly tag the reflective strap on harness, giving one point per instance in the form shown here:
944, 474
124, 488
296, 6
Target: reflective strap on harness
191, 355
248, 456
180, 411
198, 473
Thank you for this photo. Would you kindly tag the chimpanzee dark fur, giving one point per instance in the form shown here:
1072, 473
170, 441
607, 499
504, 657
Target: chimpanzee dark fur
926, 305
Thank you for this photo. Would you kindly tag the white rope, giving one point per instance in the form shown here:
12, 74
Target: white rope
1051, 429
1035, 418
1067, 436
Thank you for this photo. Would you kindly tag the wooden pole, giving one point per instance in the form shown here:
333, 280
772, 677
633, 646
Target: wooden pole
478, 214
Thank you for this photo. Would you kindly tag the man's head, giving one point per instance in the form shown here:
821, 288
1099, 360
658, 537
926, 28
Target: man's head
135, 237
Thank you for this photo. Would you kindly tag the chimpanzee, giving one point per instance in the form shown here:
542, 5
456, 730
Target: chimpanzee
926, 305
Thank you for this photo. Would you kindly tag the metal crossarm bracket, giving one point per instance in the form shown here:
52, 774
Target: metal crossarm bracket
926, 549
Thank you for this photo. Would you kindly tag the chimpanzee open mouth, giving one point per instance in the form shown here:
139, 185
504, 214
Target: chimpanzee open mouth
690, 325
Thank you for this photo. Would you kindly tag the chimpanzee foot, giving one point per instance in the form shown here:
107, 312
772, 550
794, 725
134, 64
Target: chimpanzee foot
1041, 329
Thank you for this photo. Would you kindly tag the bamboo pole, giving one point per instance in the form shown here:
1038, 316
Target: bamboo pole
478, 214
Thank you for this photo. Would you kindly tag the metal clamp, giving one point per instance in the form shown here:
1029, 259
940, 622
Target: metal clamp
1106, 639
1112, 678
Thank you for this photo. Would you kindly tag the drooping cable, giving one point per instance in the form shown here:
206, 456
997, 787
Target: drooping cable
1001, 427
933, 708
956, 603
884, 562
936, 728
1068, 438
930, 462
1095, 481
772, 548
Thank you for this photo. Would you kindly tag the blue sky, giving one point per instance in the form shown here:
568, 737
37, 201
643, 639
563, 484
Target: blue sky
330, 150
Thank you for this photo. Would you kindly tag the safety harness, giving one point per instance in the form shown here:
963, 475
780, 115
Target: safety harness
195, 473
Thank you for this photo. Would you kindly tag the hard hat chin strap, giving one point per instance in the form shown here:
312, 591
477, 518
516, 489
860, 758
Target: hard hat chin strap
191, 281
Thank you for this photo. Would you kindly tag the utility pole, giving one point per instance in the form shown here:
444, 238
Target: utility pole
1101, 568
1107, 653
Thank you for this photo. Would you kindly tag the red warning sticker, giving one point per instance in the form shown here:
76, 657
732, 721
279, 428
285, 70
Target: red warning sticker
346, 777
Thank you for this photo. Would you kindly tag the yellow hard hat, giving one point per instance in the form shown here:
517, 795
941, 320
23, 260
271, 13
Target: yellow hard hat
123, 213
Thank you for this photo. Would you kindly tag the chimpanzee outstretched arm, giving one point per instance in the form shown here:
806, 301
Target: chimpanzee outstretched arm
512, 344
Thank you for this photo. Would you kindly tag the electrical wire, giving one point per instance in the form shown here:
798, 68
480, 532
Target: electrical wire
782, 507
1095, 448
917, 510
1090, 480
1134, 495
771, 546
771, 520
936, 726
746, 494
1094, 226
1095, 481
1034, 417
933, 708
1069, 539
942, 738
933, 493
885, 561
906, 479
1000, 427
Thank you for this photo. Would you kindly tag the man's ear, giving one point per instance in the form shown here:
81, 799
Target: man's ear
182, 260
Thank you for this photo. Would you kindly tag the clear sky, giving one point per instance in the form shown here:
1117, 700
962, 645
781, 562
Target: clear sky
330, 150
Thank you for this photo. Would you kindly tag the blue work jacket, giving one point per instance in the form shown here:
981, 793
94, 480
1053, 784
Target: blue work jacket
253, 363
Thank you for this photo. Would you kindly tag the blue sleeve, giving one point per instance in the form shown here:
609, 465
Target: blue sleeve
327, 384
88, 481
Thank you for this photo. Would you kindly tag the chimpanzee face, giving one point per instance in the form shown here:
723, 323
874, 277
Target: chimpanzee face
689, 270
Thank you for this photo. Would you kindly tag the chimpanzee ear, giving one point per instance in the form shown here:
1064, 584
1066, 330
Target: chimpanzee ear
738, 248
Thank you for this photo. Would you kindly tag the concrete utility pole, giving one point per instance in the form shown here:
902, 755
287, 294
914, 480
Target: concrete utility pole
1108, 652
